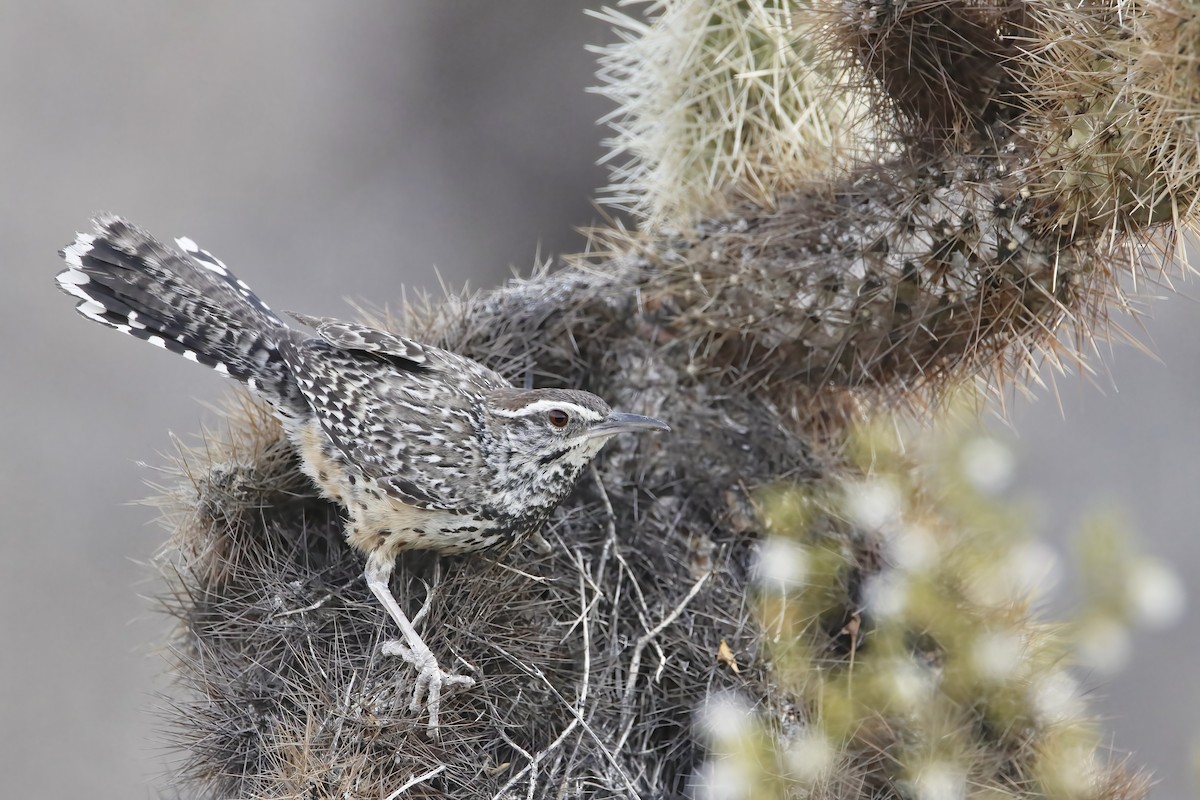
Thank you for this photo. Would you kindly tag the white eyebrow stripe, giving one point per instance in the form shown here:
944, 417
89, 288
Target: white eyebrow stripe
542, 406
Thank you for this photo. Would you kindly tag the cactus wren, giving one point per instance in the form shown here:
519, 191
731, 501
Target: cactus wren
425, 449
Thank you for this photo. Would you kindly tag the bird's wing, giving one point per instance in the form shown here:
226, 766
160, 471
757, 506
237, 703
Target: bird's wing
407, 425
352, 336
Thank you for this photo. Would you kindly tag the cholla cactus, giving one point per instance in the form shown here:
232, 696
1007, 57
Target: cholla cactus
847, 208
899, 607
716, 101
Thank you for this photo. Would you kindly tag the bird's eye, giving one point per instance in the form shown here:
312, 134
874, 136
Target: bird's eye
558, 418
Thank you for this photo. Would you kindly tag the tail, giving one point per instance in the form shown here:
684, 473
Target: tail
186, 302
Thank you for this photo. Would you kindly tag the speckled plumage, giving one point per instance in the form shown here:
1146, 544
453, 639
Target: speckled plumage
424, 448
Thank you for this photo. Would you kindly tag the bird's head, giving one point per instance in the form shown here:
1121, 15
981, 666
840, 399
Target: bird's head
550, 435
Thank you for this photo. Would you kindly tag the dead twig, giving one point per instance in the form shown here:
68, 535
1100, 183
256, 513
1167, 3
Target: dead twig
433, 773
635, 661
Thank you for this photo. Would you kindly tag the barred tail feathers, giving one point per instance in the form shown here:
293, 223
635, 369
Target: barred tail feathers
185, 301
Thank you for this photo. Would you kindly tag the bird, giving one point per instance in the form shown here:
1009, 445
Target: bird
424, 448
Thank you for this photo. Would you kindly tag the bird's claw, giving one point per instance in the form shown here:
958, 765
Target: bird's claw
427, 691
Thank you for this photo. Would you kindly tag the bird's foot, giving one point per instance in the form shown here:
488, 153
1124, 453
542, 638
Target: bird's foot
431, 678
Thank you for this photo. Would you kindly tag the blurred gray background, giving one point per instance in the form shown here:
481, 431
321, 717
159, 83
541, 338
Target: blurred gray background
329, 151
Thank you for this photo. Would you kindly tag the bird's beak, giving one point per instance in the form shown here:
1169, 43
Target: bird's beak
627, 423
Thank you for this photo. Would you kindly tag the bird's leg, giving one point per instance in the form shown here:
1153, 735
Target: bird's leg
430, 588
540, 544
430, 677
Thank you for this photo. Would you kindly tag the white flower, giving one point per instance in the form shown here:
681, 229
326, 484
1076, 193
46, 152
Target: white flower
886, 594
909, 686
1055, 698
912, 548
1034, 568
1156, 595
940, 781
996, 656
988, 465
782, 564
1028, 572
809, 756
871, 503
725, 719
723, 778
